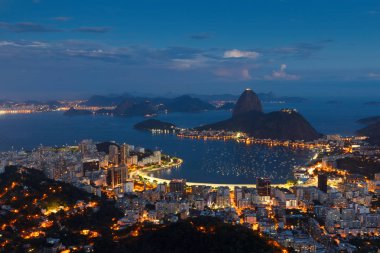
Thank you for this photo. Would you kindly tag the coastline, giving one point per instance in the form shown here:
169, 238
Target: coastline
144, 173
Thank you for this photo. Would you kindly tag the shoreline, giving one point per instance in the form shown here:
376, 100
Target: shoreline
144, 173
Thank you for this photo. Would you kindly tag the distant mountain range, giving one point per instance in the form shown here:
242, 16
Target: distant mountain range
113, 100
264, 97
140, 106
128, 105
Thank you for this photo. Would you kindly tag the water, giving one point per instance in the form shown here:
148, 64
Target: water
211, 161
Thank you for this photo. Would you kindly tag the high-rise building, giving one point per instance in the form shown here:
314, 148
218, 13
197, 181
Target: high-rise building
117, 176
124, 153
177, 185
263, 186
157, 157
90, 165
85, 147
322, 182
114, 154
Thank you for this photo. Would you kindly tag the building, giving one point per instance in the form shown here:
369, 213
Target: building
322, 182
177, 185
117, 176
86, 147
90, 165
223, 197
263, 186
124, 153
114, 154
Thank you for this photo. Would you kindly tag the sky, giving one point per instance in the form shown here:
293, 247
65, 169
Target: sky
72, 49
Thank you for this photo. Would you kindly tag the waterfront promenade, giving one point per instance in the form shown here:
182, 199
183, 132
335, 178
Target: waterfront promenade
144, 175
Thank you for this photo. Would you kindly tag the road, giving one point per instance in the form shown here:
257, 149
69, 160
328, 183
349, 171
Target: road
231, 186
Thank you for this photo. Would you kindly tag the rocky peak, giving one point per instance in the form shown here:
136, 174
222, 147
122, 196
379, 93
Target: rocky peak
247, 102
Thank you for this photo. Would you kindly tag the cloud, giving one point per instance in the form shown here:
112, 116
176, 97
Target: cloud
92, 29
61, 18
198, 61
246, 75
235, 53
374, 76
233, 73
210, 62
24, 27
201, 36
26, 44
300, 50
281, 74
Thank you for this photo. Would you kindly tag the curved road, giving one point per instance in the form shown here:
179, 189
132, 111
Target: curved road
231, 186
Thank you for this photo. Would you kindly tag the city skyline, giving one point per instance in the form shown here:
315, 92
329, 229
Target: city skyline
190, 126
52, 50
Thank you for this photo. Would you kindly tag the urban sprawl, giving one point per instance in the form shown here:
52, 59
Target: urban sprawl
319, 210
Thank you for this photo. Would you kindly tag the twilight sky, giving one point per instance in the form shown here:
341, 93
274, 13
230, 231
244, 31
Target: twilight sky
67, 48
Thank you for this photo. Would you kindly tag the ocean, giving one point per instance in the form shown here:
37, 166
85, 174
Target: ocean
211, 161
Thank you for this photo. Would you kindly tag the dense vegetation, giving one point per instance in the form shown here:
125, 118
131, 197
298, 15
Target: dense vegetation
154, 124
203, 234
25, 226
360, 165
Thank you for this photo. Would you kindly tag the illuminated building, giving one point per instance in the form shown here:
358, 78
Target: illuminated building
322, 182
90, 165
117, 176
124, 153
114, 154
177, 185
263, 186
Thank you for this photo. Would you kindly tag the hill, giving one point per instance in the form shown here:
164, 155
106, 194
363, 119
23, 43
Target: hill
187, 103
247, 102
150, 124
136, 107
372, 131
203, 234
75, 112
38, 214
282, 125
369, 120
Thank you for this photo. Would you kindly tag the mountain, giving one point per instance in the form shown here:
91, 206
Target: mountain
269, 97
372, 130
138, 106
282, 125
369, 120
154, 124
187, 103
130, 108
247, 102
75, 112
105, 146
98, 100
227, 106
203, 234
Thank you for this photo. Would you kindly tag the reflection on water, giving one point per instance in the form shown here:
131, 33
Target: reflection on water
211, 161
233, 162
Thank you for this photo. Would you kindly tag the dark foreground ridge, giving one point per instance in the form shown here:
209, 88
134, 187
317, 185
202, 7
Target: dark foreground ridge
26, 195
286, 124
